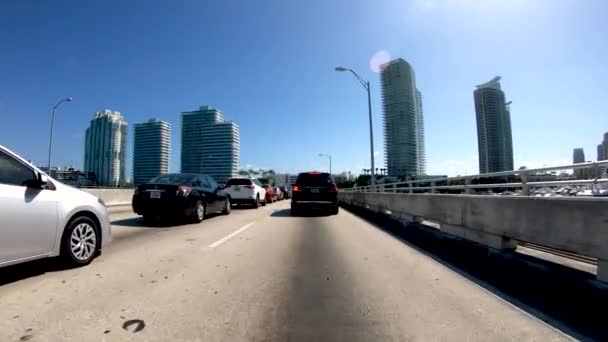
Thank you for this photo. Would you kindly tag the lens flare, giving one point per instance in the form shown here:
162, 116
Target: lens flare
378, 59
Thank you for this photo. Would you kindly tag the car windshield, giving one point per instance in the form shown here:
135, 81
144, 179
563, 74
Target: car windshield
239, 181
172, 179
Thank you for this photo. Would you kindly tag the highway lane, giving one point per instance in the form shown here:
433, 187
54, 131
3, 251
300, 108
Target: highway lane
259, 275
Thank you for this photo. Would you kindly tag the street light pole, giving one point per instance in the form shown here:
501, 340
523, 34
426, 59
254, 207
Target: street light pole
329, 156
367, 87
67, 99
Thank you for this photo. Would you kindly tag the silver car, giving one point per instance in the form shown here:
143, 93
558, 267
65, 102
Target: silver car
41, 217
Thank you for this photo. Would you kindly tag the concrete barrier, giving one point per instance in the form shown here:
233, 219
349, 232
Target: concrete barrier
578, 225
112, 197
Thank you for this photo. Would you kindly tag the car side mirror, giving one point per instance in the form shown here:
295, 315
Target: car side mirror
43, 180
39, 182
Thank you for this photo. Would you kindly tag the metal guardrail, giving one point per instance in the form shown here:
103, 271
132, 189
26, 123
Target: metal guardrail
467, 187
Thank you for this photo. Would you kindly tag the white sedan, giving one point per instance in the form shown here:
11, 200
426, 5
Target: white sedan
41, 217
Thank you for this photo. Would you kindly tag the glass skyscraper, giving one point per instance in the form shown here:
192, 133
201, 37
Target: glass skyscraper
404, 150
106, 148
151, 145
494, 139
209, 145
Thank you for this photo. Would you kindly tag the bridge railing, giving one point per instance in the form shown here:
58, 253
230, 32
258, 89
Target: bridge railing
435, 184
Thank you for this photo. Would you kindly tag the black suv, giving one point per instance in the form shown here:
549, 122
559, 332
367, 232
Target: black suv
314, 190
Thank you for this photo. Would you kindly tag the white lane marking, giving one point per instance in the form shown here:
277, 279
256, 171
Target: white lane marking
231, 235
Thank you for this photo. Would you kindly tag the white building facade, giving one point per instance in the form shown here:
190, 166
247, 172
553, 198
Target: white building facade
106, 148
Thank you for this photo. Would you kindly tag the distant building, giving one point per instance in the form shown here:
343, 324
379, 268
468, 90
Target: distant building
151, 145
578, 156
494, 137
403, 120
106, 148
210, 145
601, 153
420, 135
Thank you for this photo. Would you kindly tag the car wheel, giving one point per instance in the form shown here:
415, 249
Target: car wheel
198, 212
264, 203
335, 210
294, 211
227, 206
257, 202
81, 241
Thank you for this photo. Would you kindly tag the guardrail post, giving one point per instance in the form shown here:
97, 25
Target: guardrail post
410, 190
394, 188
433, 191
467, 188
525, 188
381, 187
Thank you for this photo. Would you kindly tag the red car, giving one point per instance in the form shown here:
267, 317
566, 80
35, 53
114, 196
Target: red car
271, 195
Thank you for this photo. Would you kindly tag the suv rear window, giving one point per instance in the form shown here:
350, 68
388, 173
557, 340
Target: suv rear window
238, 181
314, 179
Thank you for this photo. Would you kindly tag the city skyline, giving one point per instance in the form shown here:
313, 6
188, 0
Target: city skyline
278, 75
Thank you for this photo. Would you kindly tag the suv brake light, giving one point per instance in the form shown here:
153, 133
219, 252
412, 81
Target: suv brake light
333, 188
248, 186
296, 188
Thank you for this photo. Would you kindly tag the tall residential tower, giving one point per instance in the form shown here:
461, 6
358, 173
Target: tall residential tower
404, 150
151, 145
210, 145
106, 148
494, 138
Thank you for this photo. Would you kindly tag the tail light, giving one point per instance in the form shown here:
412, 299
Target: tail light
296, 188
333, 188
248, 186
136, 192
183, 191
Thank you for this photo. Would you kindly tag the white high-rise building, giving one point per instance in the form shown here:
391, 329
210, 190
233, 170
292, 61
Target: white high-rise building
404, 150
106, 148
210, 145
151, 145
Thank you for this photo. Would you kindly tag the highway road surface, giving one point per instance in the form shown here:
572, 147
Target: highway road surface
256, 275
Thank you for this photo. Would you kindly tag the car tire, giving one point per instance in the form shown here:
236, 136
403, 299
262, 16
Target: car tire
80, 242
149, 219
294, 211
264, 203
257, 202
227, 207
199, 211
335, 211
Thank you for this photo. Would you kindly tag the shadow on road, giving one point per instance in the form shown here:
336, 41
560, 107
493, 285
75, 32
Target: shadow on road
138, 222
307, 213
30, 269
568, 299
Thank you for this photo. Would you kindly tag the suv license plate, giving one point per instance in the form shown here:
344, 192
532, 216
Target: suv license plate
314, 190
155, 194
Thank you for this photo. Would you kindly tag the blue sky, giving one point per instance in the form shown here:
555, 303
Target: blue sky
268, 65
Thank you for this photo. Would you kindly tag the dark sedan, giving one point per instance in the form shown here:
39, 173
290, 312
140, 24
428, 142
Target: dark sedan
188, 195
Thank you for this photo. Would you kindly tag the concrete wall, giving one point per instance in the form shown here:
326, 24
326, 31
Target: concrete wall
113, 196
574, 224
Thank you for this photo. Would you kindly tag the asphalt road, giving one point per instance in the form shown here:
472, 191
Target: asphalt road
256, 275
